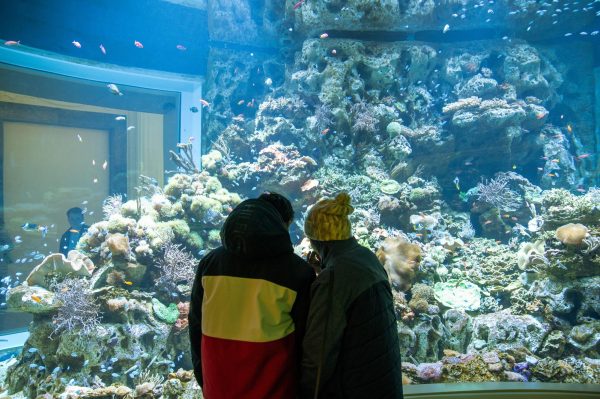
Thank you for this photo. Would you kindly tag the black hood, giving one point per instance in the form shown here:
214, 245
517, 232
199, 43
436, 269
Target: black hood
255, 230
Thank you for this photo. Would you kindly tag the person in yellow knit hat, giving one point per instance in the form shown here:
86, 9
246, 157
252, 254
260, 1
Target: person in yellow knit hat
351, 347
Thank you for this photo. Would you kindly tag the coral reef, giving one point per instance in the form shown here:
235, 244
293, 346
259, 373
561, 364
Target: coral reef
401, 261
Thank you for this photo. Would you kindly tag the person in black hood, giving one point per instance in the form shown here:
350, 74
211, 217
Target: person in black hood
249, 306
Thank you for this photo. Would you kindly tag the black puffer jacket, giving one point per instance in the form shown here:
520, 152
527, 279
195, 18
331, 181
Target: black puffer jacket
352, 306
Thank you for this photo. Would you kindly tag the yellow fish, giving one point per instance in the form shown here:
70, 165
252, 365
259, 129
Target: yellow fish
36, 298
128, 282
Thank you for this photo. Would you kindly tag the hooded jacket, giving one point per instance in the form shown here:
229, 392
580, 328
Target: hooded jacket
249, 307
351, 330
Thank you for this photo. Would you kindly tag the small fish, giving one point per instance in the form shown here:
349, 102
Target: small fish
29, 227
18, 239
102, 49
541, 115
127, 282
95, 180
130, 128
569, 128
114, 89
204, 103
514, 167
76, 43
456, 182
555, 160
446, 28
79, 138
241, 102
583, 156
84, 202
120, 118
268, 82
138, 44
105, 164
194, 109
12, 43
333, 52
93, 162
298, 4
36, 298
181, 47
324, 131
487, 222
324, 35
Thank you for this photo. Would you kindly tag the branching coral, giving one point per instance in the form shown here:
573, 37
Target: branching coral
78, 310
497, 194
324, 117
112, 205
363, 119
176, 267
184, 160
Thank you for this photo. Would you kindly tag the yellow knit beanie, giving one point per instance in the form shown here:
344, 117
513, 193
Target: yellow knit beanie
328, 220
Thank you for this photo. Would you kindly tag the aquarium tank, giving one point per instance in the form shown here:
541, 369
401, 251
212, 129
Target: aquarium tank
467, 133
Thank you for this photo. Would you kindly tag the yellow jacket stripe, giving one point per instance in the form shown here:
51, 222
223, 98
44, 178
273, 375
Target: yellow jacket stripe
245, 309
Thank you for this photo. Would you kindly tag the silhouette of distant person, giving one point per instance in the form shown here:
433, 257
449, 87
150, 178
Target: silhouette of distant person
77, 228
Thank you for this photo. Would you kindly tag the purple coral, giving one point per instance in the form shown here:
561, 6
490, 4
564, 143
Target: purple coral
523, 369
78, 309
497, 194
363, 119
429, 372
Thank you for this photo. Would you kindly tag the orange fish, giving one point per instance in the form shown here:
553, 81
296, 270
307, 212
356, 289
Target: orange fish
138, 44
569, 128
324, 131
324, 35
102, 49
36, 298
76, 43
12, 43
204, 103
540, 115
